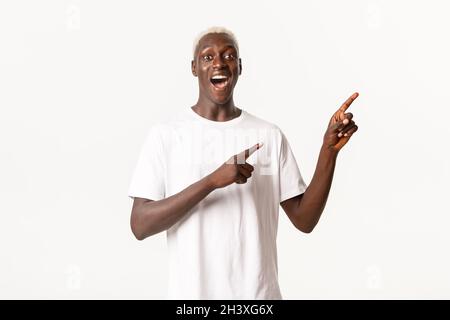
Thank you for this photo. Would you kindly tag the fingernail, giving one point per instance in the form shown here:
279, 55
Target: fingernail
345, 121
345, 135
339, 134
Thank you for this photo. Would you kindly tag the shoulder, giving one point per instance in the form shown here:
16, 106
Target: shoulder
263, 124
169, 123
267, 129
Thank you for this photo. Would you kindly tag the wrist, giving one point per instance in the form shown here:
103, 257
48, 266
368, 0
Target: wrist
210, 182
329, 152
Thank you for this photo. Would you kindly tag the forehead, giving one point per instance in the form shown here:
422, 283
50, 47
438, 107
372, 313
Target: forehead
216, 40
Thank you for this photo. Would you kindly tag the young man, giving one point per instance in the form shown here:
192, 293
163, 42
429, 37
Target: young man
214, 177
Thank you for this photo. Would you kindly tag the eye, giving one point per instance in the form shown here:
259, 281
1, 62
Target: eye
207, 58
229, 56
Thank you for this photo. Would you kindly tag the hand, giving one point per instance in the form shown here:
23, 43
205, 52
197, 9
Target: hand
341, 127
236, 169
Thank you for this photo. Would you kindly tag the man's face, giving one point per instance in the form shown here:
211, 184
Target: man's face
217, 66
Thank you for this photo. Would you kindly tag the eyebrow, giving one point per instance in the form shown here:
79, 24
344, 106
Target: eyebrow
208, 47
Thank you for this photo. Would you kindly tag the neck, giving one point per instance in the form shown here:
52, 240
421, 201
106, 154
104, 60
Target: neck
216, 112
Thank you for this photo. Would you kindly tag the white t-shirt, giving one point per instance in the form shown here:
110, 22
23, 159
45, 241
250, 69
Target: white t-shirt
225, 246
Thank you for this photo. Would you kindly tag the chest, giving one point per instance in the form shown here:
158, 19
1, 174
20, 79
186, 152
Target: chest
194, 152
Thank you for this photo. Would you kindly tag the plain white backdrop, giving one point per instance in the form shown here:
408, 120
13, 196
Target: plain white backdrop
82, 81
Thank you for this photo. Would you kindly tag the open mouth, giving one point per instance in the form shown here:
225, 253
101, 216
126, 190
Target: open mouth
219, 81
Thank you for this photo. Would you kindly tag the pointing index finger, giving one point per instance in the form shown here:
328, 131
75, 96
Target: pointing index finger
348, 102
244, 155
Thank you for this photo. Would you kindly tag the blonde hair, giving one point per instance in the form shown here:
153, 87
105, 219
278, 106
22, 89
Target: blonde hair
214, 30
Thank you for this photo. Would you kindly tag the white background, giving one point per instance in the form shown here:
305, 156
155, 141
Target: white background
82, 81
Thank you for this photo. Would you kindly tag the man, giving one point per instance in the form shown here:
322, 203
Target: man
218, 199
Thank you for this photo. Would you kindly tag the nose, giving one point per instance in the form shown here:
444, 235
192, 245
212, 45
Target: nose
218, 62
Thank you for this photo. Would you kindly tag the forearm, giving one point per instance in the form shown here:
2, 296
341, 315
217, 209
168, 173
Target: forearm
315, 197
155, 216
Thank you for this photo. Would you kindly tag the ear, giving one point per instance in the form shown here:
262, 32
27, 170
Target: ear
240, 66
193, 68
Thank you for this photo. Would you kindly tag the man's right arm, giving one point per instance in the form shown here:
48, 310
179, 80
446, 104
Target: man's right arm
149, 217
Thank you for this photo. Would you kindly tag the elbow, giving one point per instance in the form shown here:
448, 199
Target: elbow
137, 234
305, 228
134, 224
141, 230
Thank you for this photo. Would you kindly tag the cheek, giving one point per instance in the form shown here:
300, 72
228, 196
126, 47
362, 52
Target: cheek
204, 82
203, 74
203, 79
235, 68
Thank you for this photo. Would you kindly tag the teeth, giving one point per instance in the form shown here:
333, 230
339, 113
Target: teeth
218, 77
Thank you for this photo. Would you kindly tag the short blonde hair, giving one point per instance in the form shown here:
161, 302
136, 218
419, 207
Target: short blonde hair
214, 30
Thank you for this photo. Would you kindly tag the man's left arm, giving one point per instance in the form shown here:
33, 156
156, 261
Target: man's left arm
305, 210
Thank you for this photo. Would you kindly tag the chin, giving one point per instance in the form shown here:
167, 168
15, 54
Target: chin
220, 100
221, 97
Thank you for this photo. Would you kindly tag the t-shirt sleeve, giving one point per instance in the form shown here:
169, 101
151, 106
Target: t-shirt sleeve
291, 181
148, 177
